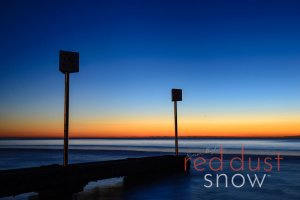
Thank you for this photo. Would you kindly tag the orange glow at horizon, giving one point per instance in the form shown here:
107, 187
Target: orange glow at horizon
266, 126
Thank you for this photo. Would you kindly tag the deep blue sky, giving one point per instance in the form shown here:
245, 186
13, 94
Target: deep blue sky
230, 57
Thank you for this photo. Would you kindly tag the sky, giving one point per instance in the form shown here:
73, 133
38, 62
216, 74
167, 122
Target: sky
238, 63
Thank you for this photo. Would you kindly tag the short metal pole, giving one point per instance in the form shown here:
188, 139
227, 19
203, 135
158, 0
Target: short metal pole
176, 130
66, 119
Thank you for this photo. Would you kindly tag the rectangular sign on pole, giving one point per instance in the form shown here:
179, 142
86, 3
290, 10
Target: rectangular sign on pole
68, 61
176, 94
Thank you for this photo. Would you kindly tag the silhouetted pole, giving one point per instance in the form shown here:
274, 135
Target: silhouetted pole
66, 120
68, 63
176, 96
176, 129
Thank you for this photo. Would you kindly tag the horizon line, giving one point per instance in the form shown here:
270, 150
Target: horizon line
161, 137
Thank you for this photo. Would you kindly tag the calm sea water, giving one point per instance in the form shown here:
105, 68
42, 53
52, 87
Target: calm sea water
283, 184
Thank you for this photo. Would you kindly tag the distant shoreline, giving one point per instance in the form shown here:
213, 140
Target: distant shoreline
226, 154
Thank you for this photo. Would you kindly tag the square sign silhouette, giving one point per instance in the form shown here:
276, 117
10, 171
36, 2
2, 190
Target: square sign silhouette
176, 94
68, 61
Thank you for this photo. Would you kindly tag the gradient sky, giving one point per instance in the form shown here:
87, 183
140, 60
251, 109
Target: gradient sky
238, 63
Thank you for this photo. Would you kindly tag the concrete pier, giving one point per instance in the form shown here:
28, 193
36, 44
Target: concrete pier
56, 180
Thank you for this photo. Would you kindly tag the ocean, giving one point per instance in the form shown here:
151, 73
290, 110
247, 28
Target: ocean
283, 183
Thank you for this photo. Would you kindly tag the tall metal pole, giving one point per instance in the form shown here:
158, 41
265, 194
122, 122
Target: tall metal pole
66, 119
68, 63
176, 130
